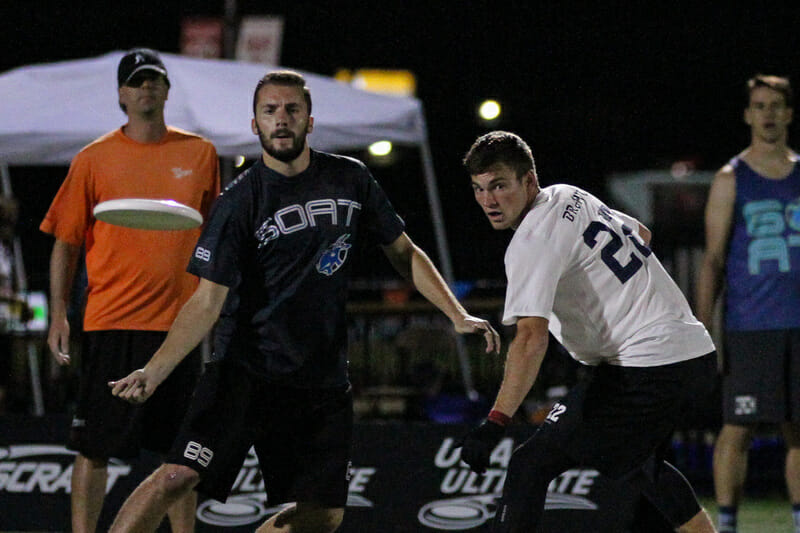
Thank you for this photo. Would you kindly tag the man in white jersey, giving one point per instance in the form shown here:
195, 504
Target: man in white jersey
575, 260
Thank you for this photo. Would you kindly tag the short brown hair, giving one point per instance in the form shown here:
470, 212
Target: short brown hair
287, 78
776, 83
499, 147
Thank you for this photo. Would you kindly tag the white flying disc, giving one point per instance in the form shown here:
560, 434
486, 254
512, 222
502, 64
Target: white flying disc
144, 213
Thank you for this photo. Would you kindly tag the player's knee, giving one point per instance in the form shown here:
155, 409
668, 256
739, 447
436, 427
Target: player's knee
333, 519
325, 520
735, 436
669, 492
308, 517
176, 479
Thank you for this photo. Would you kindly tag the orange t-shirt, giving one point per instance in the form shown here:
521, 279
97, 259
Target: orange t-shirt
137, 278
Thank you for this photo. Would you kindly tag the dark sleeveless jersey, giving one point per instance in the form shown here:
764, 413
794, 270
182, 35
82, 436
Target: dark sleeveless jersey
763, 262
285, 247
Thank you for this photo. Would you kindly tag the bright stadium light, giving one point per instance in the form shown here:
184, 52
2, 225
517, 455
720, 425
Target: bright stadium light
489, 110
380, 148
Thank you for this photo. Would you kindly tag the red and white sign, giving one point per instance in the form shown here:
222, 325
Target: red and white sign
260, 40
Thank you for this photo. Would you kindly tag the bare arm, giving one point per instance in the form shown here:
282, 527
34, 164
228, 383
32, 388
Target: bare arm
645, 234
523, 361
718, 219
194, 321
414, 264
63, 263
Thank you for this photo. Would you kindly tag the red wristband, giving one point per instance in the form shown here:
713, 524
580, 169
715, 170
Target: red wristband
501, 419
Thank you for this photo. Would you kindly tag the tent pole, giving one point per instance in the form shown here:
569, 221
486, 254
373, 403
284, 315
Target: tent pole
21, 287
444, 252
21, 279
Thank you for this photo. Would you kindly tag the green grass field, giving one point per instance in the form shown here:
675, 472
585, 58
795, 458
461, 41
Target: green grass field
759, 514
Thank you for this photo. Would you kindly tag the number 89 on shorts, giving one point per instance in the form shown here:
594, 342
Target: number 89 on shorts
196, 452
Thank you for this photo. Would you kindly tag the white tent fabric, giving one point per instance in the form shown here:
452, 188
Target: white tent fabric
49, 112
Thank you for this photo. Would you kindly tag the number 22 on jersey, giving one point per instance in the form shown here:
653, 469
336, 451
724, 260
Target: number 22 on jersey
633, 264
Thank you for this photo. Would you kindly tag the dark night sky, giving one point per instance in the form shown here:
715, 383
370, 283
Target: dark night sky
593, 90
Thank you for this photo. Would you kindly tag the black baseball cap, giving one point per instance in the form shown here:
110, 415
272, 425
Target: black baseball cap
137, 60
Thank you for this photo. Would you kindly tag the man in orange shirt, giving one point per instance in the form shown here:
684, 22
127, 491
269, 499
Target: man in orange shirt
137, 280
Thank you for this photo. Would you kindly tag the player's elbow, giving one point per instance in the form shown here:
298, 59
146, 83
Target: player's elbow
400, 254
712, 264
532, 335
536, 346
645, 234
209, 298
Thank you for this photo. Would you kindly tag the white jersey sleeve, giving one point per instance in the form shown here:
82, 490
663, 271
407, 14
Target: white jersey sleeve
627, 220
575, 258
535, 261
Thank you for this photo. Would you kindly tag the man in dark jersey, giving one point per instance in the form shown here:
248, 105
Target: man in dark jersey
753, 244
274, 262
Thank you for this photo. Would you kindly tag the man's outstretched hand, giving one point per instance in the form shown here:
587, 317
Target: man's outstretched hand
473, 324
135, 388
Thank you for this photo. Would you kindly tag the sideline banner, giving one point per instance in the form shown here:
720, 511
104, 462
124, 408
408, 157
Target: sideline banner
406, 477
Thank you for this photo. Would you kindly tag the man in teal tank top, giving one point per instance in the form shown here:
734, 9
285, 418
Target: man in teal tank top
752, 225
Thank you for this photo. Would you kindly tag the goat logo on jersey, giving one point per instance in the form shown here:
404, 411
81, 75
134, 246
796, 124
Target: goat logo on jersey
334, 257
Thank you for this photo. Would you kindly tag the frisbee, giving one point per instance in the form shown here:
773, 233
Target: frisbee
145, 213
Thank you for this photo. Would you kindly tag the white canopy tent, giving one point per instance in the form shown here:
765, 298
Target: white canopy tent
48, 112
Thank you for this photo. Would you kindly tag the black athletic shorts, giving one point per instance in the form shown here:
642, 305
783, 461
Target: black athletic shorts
761, 376
105, 426
622, 416
302, 437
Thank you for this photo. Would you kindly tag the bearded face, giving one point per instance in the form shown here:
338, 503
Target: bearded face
282, 121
